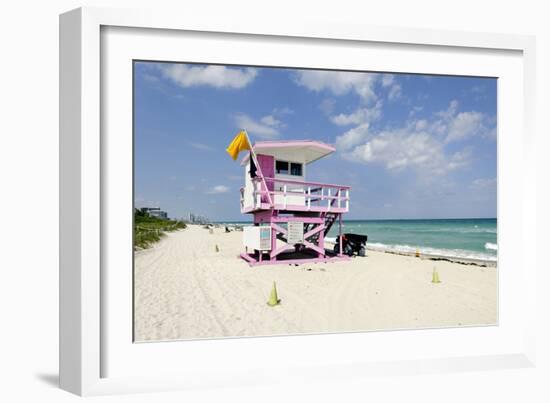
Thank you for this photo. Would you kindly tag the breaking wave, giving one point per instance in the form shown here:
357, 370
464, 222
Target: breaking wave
449, 253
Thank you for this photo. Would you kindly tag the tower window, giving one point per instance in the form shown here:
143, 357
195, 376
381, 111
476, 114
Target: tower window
295, 169
288, 168
281, 167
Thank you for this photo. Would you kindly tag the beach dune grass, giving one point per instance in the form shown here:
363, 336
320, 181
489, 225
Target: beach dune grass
148, 230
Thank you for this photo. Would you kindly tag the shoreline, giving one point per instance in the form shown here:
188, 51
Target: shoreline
434, 257
461, 256
192, 285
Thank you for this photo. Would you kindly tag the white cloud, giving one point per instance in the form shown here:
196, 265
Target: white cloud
414, 110
200, 146
477, 89
271, 121
455, 126
400, 149
419, 144
339, 82
394, 89
483, 183
421, 124
388, 80
266, 128
491, 134
370, 87
214, 76
282, 111
394, 92
150, 77
359, 116
466, 124
460, 159
352, 137
422, 97
218, 189
141, 201
327, 105
438, 127
450, 111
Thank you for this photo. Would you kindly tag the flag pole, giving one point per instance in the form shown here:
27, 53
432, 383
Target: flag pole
258, 168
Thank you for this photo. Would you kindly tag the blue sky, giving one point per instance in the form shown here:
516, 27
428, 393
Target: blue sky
411, 146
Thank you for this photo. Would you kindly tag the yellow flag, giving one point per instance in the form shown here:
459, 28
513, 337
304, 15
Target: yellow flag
239, 143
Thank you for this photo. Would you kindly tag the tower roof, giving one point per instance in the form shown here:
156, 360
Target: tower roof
305, 151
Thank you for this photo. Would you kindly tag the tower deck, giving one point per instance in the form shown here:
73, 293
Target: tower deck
281, 204
290, 196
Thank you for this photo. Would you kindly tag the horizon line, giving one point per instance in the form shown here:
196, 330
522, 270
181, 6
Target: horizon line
394, 219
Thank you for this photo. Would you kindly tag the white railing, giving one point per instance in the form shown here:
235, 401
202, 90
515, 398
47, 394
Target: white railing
291, 194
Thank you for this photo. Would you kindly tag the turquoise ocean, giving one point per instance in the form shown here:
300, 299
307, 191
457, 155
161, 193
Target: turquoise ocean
472, 238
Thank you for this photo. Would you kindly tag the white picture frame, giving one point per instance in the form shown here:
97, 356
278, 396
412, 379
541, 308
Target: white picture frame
89, 342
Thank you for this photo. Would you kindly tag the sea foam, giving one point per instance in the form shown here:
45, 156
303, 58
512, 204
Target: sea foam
450, 253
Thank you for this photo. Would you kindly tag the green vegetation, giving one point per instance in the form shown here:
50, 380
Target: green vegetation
148, 230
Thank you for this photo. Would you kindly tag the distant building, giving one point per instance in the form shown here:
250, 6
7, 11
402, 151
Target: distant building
155, 212
198, 219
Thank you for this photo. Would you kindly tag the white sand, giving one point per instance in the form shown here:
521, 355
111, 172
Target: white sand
185, 289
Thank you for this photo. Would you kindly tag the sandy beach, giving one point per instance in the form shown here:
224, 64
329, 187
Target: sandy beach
185, 289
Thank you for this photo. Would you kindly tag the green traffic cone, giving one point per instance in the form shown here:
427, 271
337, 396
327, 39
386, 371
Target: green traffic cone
273, 299
435, 276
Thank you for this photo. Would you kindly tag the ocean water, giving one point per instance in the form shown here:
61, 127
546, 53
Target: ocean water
466, 238
474, 238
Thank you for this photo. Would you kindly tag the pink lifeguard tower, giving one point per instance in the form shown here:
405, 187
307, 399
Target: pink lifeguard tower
291, 216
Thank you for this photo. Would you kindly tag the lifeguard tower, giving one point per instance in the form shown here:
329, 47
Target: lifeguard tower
291, 216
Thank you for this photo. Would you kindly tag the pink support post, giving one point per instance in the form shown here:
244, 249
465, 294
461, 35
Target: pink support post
322, 243
340, 232
273, 238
